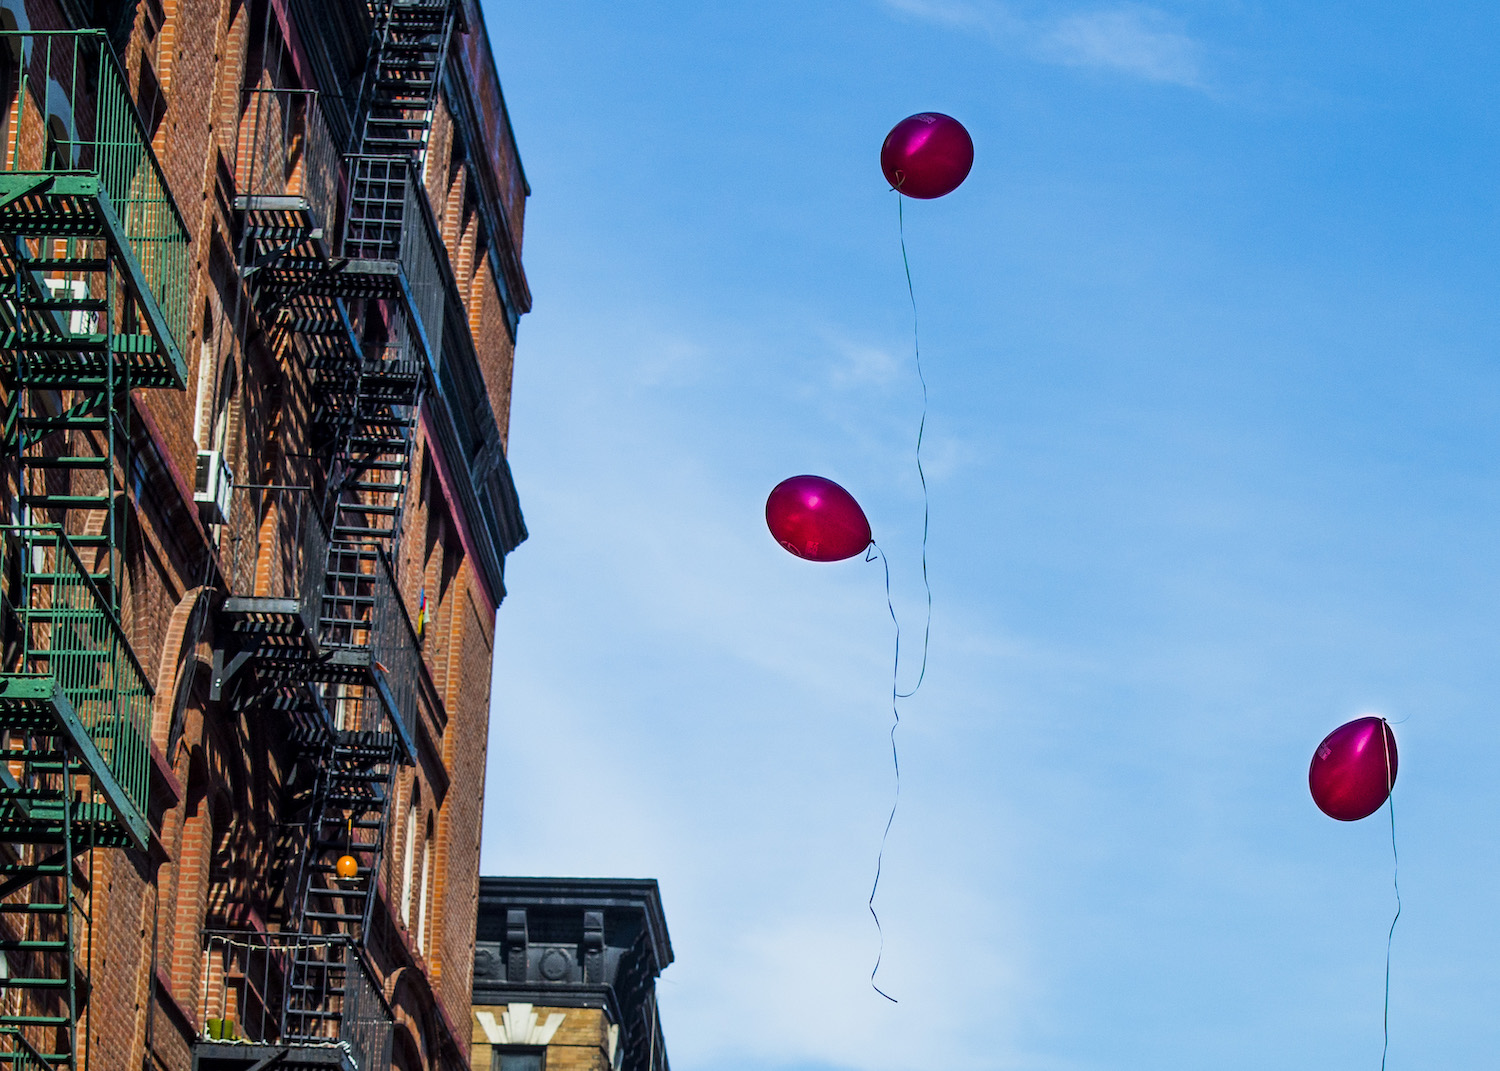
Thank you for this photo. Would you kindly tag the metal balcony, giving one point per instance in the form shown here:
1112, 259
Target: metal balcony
322, 622
289, 1001
71, 686
370, 644
286, 181
277, 550
388, 222
389, 250
83, 204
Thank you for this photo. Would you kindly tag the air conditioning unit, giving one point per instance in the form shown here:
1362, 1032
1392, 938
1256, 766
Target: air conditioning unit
212, 488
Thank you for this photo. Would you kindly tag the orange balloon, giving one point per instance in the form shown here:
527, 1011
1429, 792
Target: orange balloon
347, 866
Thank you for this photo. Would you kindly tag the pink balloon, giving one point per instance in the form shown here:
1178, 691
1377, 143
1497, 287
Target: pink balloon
1354, 769
817, 519
927, 155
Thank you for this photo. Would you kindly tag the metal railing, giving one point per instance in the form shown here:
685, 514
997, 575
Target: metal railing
367, 1026
388, 219
286, 151
70, 634
20, 1054
68, 110
397, 648
421, 246
294, 989
278, 545
363, 610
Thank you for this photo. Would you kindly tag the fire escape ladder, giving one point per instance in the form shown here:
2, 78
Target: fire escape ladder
93, 303
68, 397
40, 955
357, 780
369, 397
403, 76
319, 629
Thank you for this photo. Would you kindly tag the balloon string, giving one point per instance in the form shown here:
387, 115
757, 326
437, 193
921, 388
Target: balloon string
1390, 783
921, 430
895, 762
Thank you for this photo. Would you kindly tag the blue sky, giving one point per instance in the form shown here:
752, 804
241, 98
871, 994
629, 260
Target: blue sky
1215, 466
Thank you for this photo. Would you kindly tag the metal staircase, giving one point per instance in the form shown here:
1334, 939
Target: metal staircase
364, 316
93, 304
403, 76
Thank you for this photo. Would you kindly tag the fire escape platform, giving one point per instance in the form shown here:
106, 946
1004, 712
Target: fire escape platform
290, 654
65, 204
268, 615
339, 277
36, 704
250, 1056
273, 202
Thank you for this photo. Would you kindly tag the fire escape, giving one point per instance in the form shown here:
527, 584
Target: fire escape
93, 305
318, 633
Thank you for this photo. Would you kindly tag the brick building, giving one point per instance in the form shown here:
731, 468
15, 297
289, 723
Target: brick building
565, 975
260, 279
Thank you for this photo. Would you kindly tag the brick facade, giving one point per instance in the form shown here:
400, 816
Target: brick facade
226, 777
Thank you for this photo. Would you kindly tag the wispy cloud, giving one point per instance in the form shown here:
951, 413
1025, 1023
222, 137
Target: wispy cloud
1130, 39
951, 12
1139, 41
858, 364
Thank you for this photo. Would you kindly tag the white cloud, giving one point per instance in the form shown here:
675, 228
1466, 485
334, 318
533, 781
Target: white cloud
1139, 41
861, 365
1133, 39
988, 16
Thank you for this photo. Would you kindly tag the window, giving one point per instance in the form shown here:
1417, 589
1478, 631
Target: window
411, 858
511, 1058
426, 880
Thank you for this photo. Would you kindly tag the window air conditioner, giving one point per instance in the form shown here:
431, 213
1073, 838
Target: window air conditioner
212, 487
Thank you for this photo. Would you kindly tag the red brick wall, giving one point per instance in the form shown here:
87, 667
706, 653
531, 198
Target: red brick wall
221, 782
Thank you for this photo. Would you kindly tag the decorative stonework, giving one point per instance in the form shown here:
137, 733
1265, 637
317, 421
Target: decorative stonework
518, 1025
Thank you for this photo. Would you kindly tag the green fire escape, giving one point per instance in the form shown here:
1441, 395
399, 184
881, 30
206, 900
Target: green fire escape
94, 277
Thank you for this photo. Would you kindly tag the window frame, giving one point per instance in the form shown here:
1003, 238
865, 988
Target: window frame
499, 1052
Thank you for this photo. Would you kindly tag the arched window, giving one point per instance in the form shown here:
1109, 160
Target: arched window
411, 856
426, 883
61, 149
203, 407
12, 75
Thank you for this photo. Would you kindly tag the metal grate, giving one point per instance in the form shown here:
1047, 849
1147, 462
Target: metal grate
96, 132
278, 545
286, 150
363, 610
70, 635
296, 990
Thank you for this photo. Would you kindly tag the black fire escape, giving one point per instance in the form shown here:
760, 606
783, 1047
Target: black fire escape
318, 631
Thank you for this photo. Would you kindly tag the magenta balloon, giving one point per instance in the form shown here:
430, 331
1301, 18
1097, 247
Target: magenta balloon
817, 519
927, 155
1354, 769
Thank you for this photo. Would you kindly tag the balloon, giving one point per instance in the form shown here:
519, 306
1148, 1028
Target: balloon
817, 519
927, 155
1354, 769
347, 866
